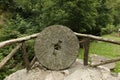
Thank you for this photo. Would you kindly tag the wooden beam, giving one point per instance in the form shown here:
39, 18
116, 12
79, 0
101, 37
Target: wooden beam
8, 42
97, 38
9, 56
106, 62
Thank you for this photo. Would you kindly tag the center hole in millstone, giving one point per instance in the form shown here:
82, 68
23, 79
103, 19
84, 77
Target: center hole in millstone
58, 45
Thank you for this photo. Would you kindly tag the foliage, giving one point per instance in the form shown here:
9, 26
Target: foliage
7, 5
79, 15
31, 16
116, 5
109, 29
16, 62
83, 16
107, 49
12, 65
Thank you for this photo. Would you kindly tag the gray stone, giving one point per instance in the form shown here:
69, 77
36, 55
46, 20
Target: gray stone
76, 72
56, 47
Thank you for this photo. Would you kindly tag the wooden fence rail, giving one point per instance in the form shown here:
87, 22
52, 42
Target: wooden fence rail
106, 62
21, 41
18, 40
97, 38
9, 56
8, 42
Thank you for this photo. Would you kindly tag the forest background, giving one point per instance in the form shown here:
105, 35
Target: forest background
24, 17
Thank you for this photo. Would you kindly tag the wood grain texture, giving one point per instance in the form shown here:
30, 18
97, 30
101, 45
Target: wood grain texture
56, 47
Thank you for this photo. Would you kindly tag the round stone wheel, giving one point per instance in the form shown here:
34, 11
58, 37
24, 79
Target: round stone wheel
56, 47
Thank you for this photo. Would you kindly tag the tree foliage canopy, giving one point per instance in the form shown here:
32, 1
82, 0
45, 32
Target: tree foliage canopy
85, 16
26, 17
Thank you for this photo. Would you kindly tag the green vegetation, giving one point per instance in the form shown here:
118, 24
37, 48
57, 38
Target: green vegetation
108, 50
24, 17
105, 49
85, 16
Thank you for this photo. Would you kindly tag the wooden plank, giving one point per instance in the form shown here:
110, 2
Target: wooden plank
86, 50
25, 56
97, 38
8, 42
9, 56
106, 62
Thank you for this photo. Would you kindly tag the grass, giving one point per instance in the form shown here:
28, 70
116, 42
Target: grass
105, 49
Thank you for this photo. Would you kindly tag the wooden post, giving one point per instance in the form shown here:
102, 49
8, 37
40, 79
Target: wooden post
25, 56
9, 56
86, 50
106, 62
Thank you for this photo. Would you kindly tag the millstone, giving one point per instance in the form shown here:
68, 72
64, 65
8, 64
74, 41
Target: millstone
56, 47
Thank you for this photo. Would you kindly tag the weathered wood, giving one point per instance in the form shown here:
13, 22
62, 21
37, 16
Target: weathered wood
96, 59
106, 62
82, 41
8, 42
32, 62
9, 56
86, 50
97, 38
56, 47
25, 56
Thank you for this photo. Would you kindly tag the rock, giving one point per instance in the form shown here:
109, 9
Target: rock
54, 76
76, 72
56, 47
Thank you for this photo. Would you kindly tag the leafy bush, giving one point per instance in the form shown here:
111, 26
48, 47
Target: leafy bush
15, 28
109, 29
31, 16
16, 62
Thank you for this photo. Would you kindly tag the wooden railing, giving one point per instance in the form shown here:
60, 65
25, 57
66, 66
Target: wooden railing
21, 44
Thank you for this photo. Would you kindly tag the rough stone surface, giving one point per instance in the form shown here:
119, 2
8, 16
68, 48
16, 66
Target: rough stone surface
76, 72
56, 47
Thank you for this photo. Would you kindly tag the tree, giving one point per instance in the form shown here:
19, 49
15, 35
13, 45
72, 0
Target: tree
116, 13
79, 15
105, 11
7, 5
